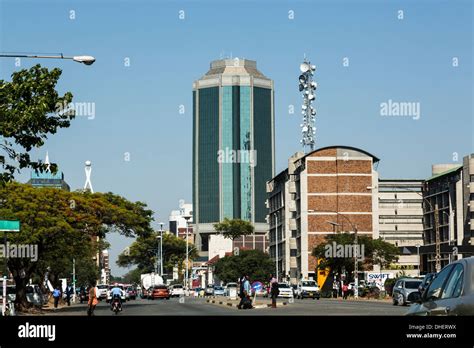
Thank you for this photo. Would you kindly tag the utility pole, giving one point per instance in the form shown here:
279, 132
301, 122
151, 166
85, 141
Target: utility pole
438, 240
74, 280
356, 265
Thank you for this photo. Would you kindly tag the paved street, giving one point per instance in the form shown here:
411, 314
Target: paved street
198, 306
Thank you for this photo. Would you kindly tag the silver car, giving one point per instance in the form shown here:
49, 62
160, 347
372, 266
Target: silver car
402, 289
451, 292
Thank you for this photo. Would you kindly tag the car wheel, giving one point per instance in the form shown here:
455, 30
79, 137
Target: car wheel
400, 300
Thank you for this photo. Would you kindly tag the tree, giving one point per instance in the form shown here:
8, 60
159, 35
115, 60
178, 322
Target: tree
376, 251
29, 106
64, 225
234, 228
143, 253
254, 263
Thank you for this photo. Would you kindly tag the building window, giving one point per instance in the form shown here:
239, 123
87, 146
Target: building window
293, 252
293, 234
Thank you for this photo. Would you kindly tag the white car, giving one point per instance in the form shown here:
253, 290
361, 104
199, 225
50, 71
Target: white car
102, 291
123, 293
176, 290
232, 286
308, 289
285, 290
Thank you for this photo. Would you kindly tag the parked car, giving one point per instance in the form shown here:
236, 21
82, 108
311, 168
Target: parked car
132, 293
285, 290
209, 290
230, 286
308, 289
219, 291
35, 296
404, 287
160, 291
177, 290
426, 282
451, 292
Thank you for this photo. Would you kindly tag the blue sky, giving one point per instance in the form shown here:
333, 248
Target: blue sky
137, 107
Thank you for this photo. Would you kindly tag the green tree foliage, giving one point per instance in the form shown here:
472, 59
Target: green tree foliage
254, 263
28, 114
143, 253
376, 251
234, 228
64, 225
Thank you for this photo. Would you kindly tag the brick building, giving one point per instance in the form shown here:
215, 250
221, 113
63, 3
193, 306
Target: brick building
328, 190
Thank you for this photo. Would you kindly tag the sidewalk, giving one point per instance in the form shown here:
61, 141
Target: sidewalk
360, 299
258, 304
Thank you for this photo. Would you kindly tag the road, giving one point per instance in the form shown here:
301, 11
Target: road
198, 306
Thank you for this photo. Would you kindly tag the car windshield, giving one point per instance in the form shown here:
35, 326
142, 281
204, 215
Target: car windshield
232, 285
101, 286
161, 287
309, 283
130, 289
412, 284
178, 286
283, 285
218, 288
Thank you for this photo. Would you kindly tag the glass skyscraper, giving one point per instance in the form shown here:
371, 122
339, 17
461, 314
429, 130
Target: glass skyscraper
233, 147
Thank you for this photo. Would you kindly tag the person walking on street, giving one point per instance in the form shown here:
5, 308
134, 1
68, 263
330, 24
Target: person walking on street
335, 289
69, 293
345, 291
93, 301
56, 296
274, 291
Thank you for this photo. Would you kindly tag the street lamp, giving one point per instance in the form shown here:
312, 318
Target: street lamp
187, 217
356, 262
161, 249
87, 60
276, 243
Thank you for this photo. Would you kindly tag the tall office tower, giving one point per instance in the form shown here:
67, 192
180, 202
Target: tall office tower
233, 152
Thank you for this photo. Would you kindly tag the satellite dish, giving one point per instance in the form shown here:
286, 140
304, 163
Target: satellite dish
181, 203
302, 79
304, 67
88, 163
301, 87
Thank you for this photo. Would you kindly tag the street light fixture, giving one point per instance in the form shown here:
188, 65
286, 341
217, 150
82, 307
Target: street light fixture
161, 249
87, 60
187, 217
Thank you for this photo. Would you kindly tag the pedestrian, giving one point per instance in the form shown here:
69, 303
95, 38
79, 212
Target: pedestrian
345, 291
274, 291
69, 292
93, 301
335, 288
56, 296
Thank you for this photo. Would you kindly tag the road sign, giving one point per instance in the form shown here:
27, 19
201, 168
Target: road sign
257, 286
9, 226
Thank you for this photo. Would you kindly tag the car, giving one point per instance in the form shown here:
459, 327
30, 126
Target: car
402, 289
285, 290
308, 289
426, 282
123, 295
451, 292
209, 290
102, 291
160, 291
219, 291
230, 287
132, 293
177, 290
35, 296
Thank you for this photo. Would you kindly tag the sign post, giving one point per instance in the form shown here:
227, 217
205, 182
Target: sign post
7, 226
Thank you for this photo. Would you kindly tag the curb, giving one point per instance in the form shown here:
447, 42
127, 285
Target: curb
234, 305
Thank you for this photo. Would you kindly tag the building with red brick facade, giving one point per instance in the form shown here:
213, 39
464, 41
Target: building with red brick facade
329, 190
